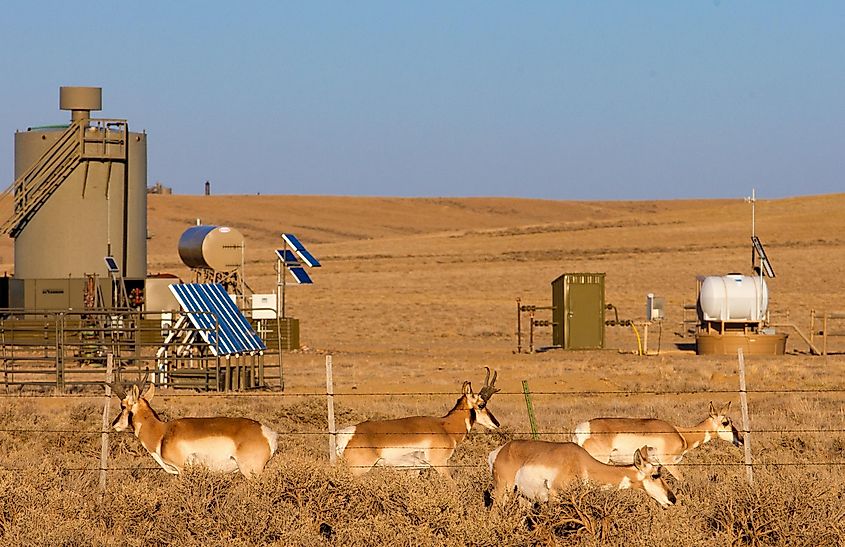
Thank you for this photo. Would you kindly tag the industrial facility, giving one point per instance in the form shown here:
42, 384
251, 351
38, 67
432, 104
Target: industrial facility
731, 312
81, 299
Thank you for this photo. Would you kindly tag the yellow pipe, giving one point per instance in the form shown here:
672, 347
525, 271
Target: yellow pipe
639, 341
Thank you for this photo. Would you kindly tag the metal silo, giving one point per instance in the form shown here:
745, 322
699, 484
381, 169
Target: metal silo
80, 195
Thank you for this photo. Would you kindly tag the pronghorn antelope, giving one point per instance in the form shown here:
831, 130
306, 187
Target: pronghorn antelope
220, 444
417, 442
540, 469
613, 440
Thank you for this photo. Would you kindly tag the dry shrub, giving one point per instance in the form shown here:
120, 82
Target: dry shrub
594, 513
300, 501
784, 507
49, 493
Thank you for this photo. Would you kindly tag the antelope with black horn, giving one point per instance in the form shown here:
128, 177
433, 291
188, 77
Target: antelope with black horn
417, 442
221, 443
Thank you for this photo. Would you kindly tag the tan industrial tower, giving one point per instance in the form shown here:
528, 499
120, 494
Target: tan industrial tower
79, 196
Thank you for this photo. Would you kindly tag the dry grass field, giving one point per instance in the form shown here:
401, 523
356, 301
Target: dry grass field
417, 295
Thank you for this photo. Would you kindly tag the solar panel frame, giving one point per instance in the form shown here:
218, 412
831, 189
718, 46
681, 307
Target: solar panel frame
218, 320
301, 251
764, 260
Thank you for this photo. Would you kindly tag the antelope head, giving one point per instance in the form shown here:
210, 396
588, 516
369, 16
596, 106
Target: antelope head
478, 403
129, 404
650, 473
724, 426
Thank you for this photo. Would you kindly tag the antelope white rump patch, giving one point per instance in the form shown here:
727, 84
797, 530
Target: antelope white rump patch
535, 481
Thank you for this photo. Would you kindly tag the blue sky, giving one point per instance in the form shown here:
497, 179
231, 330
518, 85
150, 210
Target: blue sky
557, 100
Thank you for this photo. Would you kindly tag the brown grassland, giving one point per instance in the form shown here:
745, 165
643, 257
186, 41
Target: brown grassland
417, 295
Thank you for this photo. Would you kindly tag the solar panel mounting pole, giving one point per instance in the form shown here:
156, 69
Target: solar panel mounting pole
280, 286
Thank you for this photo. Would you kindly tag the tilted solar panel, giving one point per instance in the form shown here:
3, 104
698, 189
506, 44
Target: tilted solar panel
301, 251
287, 257
300, 275
217, 319
111, 264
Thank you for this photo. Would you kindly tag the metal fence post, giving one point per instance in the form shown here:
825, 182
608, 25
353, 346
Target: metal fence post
532, 419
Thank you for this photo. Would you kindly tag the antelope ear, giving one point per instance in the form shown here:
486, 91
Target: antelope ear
150, 393
640, 458
726, 408
712, 410
467, 389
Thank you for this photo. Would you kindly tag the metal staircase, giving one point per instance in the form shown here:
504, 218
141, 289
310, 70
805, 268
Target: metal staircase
84, 140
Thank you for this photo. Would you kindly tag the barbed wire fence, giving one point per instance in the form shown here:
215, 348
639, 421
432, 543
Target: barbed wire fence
330, 433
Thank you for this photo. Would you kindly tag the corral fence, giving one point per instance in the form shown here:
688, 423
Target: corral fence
67, 350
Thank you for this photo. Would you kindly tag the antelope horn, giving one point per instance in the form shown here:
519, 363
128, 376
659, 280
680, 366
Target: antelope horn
116, 389
489, 388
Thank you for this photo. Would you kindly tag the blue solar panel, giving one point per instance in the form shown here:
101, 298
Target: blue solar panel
215, 316
300, 275
111, 264
301, 251
287, 257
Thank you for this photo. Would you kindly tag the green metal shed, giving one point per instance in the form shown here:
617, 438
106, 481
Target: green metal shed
578, 314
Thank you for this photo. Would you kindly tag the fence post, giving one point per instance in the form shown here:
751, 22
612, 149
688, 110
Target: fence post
746, 424
330, 410
532, 419
104, 436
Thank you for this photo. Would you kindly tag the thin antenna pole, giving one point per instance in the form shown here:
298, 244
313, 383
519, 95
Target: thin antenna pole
753, 211
759, 297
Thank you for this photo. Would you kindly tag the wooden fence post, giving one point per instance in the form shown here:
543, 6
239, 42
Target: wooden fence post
746, 423
104, 436
330, 409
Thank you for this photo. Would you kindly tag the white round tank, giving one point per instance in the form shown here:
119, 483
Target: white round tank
733, 297
217, 248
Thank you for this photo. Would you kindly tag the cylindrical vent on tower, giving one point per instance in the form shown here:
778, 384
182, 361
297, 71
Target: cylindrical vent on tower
218, 248
80, 100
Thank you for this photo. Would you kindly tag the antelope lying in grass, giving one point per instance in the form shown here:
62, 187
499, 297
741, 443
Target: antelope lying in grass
540, 469
613, 440
220, 444
417, 442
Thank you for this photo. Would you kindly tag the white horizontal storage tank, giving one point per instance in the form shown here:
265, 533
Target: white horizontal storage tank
733, 297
